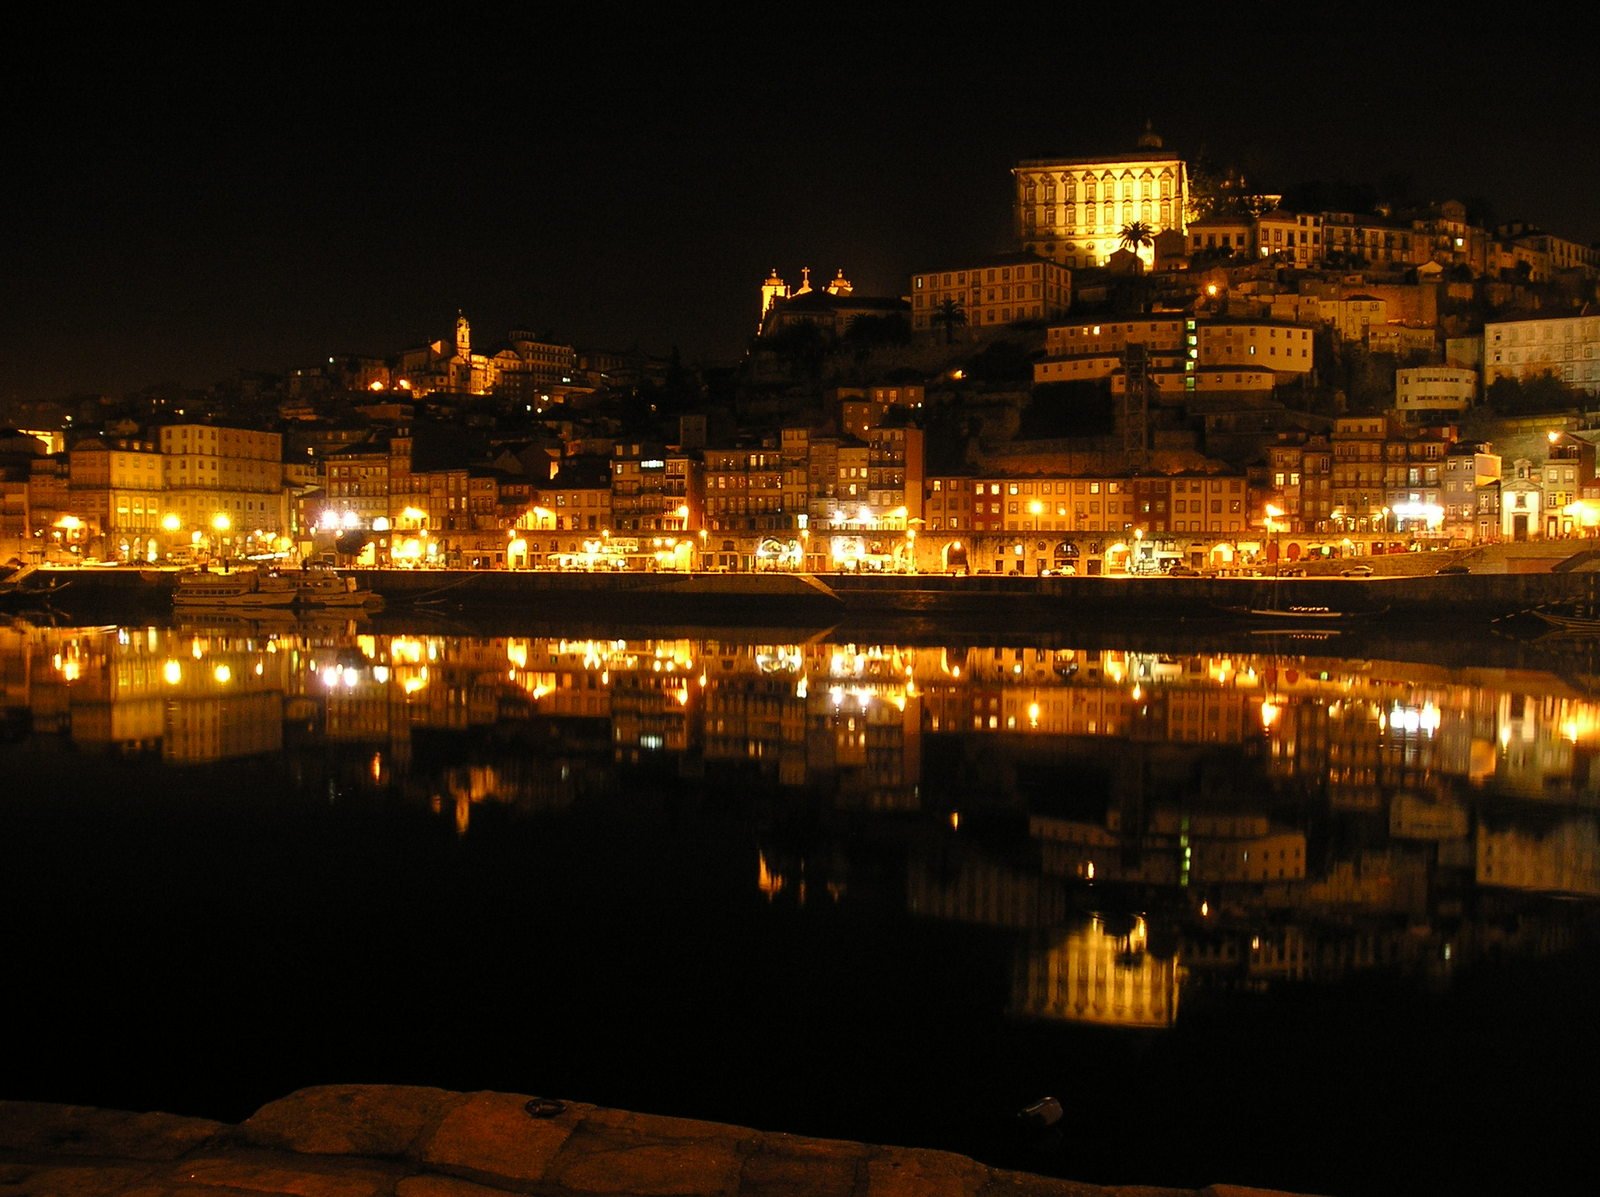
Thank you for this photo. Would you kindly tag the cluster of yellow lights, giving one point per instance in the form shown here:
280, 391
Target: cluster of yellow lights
856, 677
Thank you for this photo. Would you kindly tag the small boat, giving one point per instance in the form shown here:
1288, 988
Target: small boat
243, 588
29, 587
1569, 618
1308, 614
324, 589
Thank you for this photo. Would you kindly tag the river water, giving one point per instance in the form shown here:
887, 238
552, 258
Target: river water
1256, 912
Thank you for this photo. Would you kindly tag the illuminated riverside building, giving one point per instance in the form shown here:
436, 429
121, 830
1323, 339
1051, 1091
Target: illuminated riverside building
1471, 493
236, 474
1073, 210
655, 490
1116, 520
356, 487
116, 488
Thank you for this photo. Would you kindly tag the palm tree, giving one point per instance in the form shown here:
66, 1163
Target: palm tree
1136, 235
951, 313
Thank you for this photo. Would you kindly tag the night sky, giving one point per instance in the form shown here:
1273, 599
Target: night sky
188, 201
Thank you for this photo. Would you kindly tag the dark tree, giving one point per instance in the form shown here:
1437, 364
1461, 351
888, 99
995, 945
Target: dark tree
952, 314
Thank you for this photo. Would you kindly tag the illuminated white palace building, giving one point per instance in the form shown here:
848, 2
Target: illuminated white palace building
1073, 210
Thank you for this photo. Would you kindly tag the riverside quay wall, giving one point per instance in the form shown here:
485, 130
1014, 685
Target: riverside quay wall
394, 1141
1458, 600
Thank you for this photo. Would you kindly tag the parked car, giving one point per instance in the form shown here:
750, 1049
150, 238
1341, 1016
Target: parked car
1183, 571
1292, 571
1356, 571
1454, 569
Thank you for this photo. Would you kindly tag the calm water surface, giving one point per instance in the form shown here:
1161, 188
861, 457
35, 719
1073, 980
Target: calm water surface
1259, 914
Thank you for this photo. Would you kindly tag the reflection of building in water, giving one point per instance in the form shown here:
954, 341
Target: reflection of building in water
1090, 975
1560, 857
1172, 847
795, 880
225, 696
1319, 789
966, 887
208, 727
195, 696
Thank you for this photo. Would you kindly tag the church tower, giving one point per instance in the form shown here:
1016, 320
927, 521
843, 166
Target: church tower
463, 337
772, 290
840, 284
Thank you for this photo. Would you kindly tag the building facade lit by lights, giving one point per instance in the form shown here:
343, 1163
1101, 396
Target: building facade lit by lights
116, 487
1184, 354
1566, 346
1073, 210
1001, 290
214, 471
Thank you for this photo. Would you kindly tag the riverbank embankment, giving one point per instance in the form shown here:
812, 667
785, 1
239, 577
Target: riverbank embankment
1463, 601
402, 1141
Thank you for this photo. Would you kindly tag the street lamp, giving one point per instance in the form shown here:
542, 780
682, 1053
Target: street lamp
1272, 517
220, 524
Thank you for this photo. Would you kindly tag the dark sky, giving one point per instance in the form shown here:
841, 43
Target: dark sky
189, 200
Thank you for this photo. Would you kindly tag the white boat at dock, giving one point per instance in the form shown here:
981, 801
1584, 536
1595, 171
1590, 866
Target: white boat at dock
325, 589
253, 588
233, 587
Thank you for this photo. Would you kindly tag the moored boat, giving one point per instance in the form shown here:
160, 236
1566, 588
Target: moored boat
325, 589
1572, 619
1311, 614
246, 588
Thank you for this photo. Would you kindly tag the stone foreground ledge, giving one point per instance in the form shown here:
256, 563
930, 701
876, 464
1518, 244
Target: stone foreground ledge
402, 1141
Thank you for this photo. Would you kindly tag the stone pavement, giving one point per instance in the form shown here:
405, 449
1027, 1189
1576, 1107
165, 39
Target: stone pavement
393, 1141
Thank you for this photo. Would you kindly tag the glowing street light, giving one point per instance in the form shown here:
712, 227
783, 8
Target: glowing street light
1272, 517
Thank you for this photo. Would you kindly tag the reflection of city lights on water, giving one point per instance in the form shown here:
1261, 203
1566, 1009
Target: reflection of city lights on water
223, 674
1413, 719
380, 674
172, 673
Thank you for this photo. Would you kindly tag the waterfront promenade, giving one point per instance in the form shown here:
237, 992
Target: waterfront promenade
396, 1141
1426, 600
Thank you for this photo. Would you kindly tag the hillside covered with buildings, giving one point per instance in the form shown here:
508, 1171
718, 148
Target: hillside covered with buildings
1164, 366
